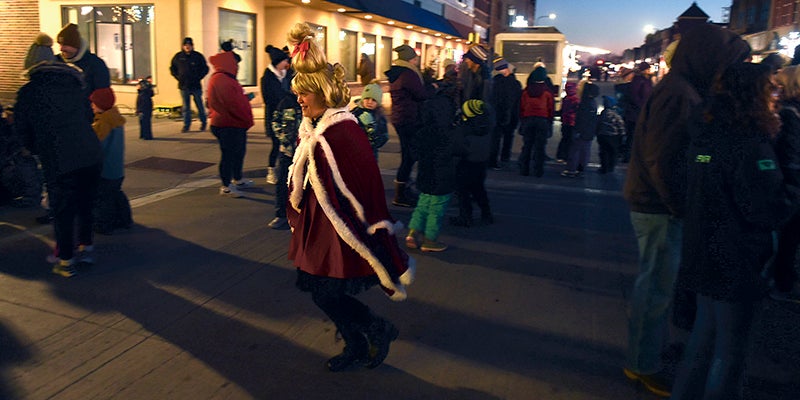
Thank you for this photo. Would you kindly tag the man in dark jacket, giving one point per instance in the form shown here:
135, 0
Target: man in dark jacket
75, 50
655, 189
189, 68
507, 91
408, 91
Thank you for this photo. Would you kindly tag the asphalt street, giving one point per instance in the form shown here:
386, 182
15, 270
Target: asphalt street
197, 299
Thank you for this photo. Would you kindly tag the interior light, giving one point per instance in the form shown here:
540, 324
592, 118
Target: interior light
424, 31
306, 1
368, 16
438, 34
390, 22
341, 10
409, 26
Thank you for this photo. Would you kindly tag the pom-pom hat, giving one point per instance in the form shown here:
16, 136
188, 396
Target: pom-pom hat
40, 51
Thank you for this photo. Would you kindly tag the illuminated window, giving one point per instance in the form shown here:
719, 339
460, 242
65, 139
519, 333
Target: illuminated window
241, 27
122, 35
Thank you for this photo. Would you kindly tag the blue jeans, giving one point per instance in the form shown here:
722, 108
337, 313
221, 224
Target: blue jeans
428, 215
713, 364
659, 237
187, 108
232, 144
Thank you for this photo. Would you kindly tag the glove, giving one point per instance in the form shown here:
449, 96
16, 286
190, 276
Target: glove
366, 119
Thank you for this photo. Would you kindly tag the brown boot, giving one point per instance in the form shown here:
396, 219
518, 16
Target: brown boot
401, 195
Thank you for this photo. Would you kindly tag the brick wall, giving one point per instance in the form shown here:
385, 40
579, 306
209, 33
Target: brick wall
17, 31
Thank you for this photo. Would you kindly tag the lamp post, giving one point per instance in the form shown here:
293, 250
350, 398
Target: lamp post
552, 16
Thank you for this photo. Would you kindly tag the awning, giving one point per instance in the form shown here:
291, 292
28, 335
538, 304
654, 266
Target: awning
403, 12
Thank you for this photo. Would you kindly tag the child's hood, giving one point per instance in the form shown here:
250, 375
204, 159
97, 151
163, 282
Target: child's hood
111, 117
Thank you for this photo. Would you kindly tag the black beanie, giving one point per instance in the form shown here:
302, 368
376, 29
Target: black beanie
277, 55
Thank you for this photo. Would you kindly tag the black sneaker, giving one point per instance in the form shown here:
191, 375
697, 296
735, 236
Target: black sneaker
185, 129
656, 383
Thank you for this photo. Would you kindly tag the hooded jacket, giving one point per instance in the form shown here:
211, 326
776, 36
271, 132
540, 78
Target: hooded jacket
95, 72
656, 180
228, 106
109, 128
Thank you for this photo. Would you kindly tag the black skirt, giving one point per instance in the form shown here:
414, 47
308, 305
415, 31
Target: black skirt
334, 286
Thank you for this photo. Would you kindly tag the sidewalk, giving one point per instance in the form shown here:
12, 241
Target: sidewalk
197, 300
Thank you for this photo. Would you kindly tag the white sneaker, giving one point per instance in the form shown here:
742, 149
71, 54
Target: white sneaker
272, 178
230, 191
277, 223
242, 183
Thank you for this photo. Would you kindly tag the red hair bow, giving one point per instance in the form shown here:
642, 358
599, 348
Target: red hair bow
301, 48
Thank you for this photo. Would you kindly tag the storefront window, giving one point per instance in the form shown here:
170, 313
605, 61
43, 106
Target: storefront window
240, 27
348, 53
120, 35
369, 47
320, 36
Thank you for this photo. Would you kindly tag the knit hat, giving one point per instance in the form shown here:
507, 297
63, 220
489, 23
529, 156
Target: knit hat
477, 54
372, 91
539, 74
405, 52
500, 63
643, 66
188, 40
227, 45
40, 51
276, 55
69, 36
473, 107
103, 98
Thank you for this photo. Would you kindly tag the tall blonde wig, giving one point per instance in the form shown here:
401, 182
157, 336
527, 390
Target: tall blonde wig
314, 74
789, 78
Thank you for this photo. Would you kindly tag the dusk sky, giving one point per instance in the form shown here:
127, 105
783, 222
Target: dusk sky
617, 24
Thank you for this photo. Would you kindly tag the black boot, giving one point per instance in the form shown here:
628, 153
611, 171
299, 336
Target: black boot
401, 196
356, 350
380, 333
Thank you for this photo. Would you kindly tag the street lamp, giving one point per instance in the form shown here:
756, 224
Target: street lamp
552, 16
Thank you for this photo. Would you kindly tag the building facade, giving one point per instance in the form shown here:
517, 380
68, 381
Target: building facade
138, 40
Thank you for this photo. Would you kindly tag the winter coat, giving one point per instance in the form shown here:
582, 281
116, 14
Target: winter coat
285, 124
273, 90
228, 106
144, 99
189, 69
507, 92
542, 105
366, 70
656, 179
736, 198
474, 136
49, 117
108, 126
638, 91
471, 83
373, 122
436, 168
787, 144
95, 72
586, 119
569, 105
341, 226
610, 123
407, 91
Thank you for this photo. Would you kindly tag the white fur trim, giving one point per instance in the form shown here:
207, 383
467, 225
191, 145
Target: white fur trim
408, 277
385, 224
305, 170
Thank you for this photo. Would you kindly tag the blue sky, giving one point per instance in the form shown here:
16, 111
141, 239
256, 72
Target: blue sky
618, 24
